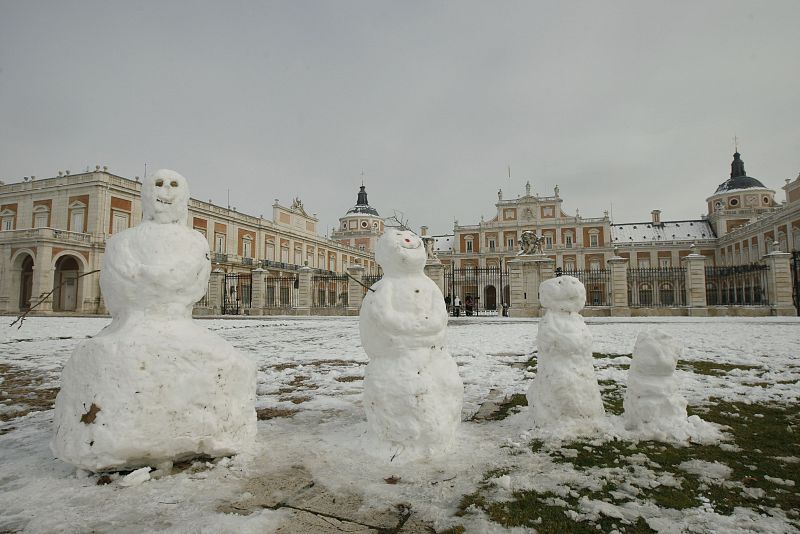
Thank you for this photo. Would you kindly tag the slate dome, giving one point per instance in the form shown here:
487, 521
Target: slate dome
739, 178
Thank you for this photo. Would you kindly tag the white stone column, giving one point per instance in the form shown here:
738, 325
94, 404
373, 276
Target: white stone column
258, 291
695, 265
355, 291
526, 273
215, 284
304, 289
6, 275
42, 279
619, 286
779, 283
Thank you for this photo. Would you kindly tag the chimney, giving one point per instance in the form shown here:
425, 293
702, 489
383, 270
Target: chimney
423, 231
656, 217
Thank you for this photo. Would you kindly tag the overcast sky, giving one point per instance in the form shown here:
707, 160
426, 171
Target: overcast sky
633, 104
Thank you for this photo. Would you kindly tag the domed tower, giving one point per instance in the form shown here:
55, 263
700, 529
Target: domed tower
738, 200
361, 225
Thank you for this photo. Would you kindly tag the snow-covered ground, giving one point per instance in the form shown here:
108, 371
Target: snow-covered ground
309, 397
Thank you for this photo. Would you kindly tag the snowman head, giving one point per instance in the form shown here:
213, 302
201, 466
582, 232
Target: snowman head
400, 252
165, 197
655, 353
563, 293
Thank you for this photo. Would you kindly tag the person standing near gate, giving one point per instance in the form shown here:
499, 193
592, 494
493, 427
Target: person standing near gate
447, 303
456, 306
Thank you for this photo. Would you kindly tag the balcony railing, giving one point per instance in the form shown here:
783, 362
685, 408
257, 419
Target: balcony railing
47, 233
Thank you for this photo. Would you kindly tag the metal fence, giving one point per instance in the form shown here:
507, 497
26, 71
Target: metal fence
481, 290
597, 283
236, 293
739, 285
657, 287
796, 279
329, 291
369, 279
281, 292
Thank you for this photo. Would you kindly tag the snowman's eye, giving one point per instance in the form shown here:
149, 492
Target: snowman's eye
173, 183
159, 182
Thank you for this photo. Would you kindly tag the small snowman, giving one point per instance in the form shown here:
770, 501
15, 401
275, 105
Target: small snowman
153, 387
412, 390
652, 402
565, 392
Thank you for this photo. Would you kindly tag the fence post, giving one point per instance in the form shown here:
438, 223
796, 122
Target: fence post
355, 291
215, 283
435, 271
619, 286
526, 272
304, 289
695, 265
779, 282
258, 291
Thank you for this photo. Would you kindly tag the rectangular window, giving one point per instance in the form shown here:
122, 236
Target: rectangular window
298, 256
332, 263
8, 223
594, 265
593, 240
247, 248
492, 244
548, 241
569, 266
76, 225
219, 243
40, 221
285, 254
664, 262
270, 252
644, 264
120, 222
568, 241
510, 243
469, 246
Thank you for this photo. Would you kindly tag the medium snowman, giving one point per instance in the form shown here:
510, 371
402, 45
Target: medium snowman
565, 392
412, 390
652, 401
153, 387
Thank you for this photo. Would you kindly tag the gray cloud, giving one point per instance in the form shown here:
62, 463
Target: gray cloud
630, 103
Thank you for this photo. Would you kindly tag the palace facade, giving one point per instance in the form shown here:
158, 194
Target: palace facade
53, 231
743, 223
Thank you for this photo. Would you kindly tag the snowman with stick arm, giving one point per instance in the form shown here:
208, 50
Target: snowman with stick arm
412, 390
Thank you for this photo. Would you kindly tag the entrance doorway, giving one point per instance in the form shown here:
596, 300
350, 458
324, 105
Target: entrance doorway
65, 282
26, 284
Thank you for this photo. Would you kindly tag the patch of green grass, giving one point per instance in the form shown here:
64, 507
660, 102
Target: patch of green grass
763, 433
713, 368
509, 405
612, 396
610, 356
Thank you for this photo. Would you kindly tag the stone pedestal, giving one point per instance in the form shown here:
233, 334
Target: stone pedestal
355, 291
215, 284
526, 272
619, 286
695, 265
258, 291
779, 283
435, 271
304, 296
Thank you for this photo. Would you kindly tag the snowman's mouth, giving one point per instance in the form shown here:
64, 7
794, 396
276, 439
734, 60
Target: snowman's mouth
411, 245
164, 201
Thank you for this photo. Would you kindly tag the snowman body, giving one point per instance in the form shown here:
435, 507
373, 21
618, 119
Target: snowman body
652, 402
153, 386
565, 390
412, 390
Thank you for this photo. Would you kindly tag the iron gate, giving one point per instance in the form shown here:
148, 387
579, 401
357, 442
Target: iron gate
796, 279
236, 293
481, 290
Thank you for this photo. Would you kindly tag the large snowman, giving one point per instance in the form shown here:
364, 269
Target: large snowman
565, 395
412, 390
153, 387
